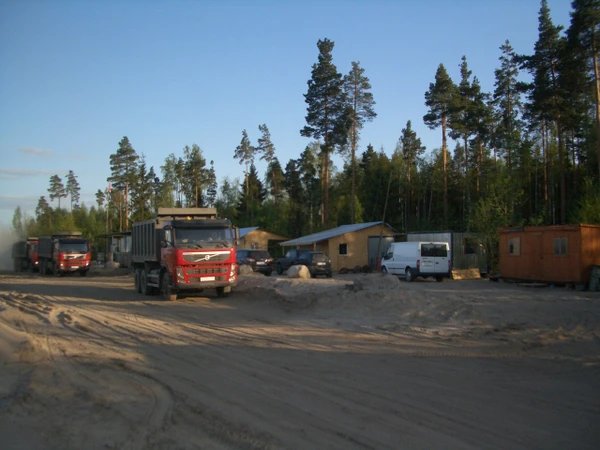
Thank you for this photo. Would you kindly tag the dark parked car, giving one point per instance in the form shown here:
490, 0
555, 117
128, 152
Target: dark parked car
318, 263
260, 260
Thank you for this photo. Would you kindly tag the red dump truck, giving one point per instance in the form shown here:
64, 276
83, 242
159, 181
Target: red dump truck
25, 254
64, 252
184, 250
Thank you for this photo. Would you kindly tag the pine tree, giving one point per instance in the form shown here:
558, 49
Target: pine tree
43, 213
73, 189
123, 168
411, 151
508, 105
249, 206
439, 99
17, 223
195, 175
100, 196
245, 152
545, 94
56, 189
211, 191
358, 96
585, 31
293, 187
327, 115
170, 183
274, 173
142, 191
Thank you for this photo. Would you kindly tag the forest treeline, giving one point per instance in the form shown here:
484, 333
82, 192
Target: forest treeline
527, 153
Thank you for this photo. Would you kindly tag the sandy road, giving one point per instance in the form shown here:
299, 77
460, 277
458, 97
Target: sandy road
91, 364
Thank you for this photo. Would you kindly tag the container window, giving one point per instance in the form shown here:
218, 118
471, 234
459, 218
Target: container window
514, 246
343, 249
469, 246
560, 246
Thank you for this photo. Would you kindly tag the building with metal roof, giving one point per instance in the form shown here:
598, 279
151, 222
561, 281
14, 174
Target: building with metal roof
349, 246
257, 237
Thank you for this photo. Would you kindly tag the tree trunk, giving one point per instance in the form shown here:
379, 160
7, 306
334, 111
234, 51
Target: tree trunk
445, 168
597, 79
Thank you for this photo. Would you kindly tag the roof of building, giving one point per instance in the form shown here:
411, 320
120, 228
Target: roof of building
328, 234
245, 231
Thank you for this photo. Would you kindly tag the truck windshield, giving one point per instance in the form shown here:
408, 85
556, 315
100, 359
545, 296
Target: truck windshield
74, 246
203, 237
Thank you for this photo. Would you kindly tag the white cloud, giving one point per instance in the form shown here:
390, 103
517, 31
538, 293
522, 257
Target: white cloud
35, 151
11, 174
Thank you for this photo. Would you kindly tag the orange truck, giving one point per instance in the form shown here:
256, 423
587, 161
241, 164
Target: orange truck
25, 254
184, 250
64, 252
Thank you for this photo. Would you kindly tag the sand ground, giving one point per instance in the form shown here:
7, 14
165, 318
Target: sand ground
353, 362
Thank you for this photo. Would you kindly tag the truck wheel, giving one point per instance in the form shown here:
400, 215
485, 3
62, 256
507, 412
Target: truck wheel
146, 290
222, 293
165, 288
137, 276
279, 269
83, 273
55, 270
409, 274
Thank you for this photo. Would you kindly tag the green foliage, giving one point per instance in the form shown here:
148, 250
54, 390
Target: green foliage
17, 223
73, 189
56, 189
589, 204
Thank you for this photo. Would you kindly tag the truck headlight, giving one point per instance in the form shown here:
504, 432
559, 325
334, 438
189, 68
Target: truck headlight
180, 276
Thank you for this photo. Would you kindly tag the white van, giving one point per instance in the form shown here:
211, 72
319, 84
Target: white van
413, 259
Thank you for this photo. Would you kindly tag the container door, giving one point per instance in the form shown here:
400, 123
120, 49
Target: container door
535, 257
428, 259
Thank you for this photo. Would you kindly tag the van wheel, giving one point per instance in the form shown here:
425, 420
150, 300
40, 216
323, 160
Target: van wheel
279, 269
409, 274
439, 279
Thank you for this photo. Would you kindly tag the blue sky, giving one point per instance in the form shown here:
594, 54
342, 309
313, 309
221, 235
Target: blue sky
77, 76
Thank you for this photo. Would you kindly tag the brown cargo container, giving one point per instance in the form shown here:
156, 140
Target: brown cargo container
553, 254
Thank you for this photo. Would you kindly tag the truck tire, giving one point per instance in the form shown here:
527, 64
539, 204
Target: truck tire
165, 288
137, 277
222, 292
83, 273
410, 276
55, 270
146, 290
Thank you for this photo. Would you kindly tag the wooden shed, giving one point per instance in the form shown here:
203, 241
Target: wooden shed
256, 237
466, 250
553, 254
349, 246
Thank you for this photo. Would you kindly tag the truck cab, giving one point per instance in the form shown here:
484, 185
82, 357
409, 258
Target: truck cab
183, 250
